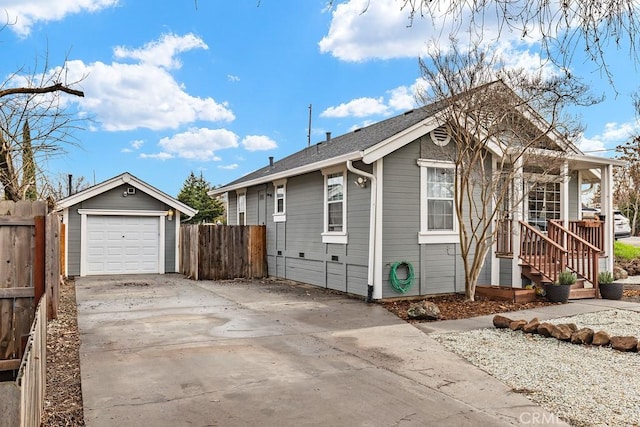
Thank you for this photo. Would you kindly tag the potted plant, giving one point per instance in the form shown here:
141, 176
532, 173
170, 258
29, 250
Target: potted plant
559, 291
609, 288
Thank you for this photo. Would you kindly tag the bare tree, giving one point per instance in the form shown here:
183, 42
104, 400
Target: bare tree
61, 185
501, 124
34, 126
627, 178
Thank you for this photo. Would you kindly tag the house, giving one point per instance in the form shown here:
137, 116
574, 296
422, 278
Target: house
121, 226
346, 212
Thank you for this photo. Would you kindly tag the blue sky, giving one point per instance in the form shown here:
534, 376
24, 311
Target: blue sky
219, 86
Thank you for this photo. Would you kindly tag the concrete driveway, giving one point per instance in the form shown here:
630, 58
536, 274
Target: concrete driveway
165, 351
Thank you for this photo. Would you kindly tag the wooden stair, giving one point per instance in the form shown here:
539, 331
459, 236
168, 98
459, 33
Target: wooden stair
578, 290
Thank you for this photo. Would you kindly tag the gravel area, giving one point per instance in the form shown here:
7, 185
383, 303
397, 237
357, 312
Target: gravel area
584, 385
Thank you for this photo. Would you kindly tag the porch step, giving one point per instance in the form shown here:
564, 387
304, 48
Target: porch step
582, 293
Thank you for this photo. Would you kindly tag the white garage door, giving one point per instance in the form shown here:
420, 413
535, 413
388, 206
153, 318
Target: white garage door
122, 244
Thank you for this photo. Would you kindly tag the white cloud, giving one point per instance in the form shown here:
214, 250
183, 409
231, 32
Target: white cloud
199, 144
232, 78
144, 95
133, 145
157, 156
360, 107
258, 143
401, 98
230, 167
362, 30
26, 13
592, 145
612, 135
162, 52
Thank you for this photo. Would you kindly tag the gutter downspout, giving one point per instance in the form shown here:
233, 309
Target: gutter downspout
372, 228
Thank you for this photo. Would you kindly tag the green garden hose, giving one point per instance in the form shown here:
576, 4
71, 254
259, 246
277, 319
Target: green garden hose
401, 285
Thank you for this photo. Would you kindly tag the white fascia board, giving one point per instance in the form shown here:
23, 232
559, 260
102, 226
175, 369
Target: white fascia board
125, 178
400, 139
121, 212
596, 160
339, 160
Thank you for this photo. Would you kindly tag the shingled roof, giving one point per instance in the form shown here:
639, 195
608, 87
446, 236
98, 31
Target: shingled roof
357, 140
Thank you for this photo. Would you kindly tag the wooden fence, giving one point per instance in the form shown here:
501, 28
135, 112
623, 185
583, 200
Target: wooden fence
218, 252
22, 400
29, 269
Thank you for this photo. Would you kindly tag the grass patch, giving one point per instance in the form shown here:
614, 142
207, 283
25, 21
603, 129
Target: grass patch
625, 251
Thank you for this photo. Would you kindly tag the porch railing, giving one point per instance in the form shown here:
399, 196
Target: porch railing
582, 256
588, 230
541, 253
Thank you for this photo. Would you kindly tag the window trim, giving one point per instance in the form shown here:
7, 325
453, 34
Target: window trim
434, 236
338, 237
241, 193
280, 216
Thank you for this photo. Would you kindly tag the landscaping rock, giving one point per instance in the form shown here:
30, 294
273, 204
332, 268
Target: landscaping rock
517, 325
582, 336
423, 310
619, 273
532, 326
546, 329
562, 332
601, 338
624, 343
501, 322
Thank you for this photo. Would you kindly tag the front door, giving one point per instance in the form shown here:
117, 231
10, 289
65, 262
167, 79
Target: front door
542, 204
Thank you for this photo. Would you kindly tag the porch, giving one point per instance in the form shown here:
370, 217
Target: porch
578, 247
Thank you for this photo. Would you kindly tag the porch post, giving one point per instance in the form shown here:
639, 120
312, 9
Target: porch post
606, 208
564, 194
495, 262
516, 276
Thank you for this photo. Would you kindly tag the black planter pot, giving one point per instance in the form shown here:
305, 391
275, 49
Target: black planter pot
611, 290
558, 293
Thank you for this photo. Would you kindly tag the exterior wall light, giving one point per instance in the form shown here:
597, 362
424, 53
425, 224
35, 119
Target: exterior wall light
170, 214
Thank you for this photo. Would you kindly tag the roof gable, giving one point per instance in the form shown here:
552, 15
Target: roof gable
128, 179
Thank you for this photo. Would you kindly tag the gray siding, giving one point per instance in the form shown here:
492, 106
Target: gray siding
169, 246
232, 208
113, 199
505, 271
574, 198
401, 216
294, 248
438, 267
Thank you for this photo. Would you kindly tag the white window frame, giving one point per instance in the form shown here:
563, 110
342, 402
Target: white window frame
277, 215
434, 236
339, 237
241, 195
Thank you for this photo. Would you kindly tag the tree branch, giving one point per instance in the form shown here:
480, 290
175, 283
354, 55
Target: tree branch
57, 87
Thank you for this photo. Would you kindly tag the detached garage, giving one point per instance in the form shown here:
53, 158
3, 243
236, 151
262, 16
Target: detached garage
122, 226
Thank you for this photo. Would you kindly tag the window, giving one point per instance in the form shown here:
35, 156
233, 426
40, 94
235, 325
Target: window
438, 221
280, 201
242, 207
543, 203
335, 212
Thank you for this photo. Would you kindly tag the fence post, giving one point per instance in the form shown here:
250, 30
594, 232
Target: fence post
38, 259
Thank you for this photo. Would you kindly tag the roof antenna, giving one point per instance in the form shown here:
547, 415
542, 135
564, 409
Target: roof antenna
309, 133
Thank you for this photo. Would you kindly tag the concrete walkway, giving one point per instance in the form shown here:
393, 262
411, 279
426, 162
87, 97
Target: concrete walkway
165, 351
